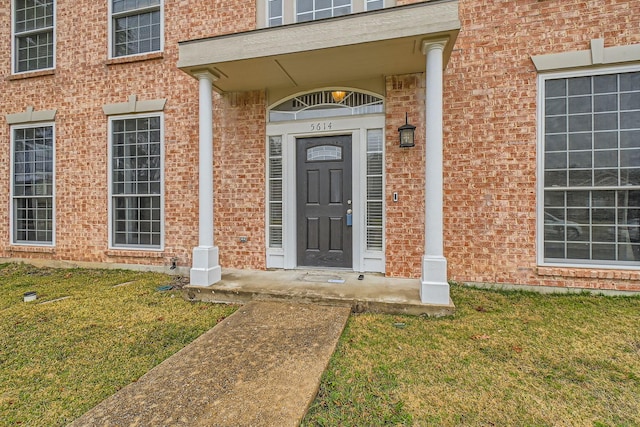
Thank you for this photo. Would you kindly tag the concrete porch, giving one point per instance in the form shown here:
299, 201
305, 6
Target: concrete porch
373, 293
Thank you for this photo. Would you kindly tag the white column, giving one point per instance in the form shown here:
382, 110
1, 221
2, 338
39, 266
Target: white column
434, 287
205, 270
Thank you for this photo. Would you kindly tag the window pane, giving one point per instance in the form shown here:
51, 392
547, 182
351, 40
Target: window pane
556, 142
605, 121
580, 104
555, 161
607, 83
554, 88
579, 86
580, 141
556, 106
374, 4
324, 153
630, 81
605, 103
580, 123
630, 120
605, 140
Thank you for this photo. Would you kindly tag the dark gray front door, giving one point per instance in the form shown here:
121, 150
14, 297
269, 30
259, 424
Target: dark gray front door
324, 197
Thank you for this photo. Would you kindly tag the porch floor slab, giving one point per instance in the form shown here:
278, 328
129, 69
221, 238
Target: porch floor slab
369, 293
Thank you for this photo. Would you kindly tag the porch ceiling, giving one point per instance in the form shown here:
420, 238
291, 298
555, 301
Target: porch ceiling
326, 52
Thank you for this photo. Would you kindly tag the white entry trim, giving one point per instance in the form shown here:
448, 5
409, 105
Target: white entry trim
356, 126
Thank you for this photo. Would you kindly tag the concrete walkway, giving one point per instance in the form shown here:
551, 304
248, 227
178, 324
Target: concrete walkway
259, 367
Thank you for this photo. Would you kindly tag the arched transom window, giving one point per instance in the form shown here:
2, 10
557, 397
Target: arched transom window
326, 103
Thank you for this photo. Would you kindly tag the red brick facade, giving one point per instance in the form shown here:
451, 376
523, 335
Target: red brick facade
490, 134
490, 139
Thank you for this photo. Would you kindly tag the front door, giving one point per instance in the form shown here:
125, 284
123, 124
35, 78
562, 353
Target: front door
324, 201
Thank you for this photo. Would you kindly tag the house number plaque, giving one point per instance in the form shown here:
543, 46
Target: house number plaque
320, 126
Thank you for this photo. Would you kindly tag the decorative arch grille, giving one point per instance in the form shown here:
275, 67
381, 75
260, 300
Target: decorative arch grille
326, 103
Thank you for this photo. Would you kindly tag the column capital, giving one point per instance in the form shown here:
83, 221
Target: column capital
428, 45
204, 73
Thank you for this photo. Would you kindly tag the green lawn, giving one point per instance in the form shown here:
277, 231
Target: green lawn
59, 359
504, 359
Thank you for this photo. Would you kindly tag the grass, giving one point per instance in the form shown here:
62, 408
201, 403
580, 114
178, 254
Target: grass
59, 359
504, 359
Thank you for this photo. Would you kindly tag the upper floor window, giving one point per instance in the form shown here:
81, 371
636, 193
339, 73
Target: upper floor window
310, 10
279, 12
33, 30
136, 27
590, 163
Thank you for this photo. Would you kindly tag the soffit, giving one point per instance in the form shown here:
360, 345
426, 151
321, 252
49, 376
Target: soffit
349, 48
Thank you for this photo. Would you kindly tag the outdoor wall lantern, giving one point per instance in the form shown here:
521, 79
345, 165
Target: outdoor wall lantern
406, 132
338, 95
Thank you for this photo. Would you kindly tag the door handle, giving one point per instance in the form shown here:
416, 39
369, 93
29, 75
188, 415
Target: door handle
349, 217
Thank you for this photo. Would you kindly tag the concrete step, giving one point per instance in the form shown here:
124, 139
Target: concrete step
363, 293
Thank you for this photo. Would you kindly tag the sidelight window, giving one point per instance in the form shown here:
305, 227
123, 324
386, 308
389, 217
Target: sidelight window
275, 192
374, 208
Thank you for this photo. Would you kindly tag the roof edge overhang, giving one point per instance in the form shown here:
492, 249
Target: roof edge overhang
274, 57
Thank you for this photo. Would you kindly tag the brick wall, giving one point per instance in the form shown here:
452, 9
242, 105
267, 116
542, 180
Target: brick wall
489, 136
240, 179
490, 133
404, 175
83, 81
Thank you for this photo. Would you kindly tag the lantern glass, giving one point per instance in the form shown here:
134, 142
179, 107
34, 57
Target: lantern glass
406, 138
406, 132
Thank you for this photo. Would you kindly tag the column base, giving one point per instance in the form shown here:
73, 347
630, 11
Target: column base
206, 269
434, 287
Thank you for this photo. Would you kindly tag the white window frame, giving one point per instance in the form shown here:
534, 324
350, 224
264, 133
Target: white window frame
542, 78
12, 218
110, 38
111, 230
14, 41
289, 13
